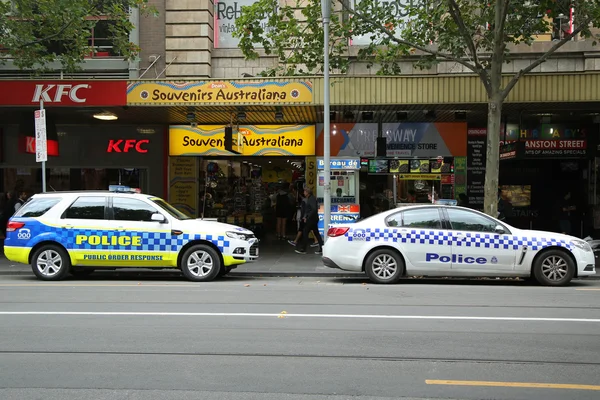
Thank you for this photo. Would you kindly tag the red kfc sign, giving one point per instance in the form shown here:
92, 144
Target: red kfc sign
127, 146
27, 145
63, 93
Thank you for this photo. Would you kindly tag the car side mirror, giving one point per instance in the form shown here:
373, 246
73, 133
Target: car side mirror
499, 229
158, 217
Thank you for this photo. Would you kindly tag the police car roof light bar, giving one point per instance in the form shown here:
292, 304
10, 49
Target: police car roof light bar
446, 202
123, 189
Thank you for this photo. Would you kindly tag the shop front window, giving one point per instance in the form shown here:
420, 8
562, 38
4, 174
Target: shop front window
343, 186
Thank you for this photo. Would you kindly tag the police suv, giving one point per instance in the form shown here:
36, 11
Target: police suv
445, 240
76, 232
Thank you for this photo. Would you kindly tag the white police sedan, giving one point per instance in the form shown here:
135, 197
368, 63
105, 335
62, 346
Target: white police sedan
440, 240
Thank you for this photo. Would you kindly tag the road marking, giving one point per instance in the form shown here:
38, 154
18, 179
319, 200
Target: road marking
514, 384
587, 289
347, 316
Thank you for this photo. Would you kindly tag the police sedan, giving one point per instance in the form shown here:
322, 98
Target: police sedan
438, 240
77, 232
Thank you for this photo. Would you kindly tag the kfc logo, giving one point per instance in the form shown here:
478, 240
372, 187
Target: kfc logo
56, 93
124, 146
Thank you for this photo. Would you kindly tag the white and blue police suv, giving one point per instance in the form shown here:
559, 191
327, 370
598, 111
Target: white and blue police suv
436, 240
77, 232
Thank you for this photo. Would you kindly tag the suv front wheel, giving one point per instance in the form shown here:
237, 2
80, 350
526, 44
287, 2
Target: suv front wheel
50, 263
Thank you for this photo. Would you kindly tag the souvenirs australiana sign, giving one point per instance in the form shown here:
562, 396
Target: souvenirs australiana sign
228, 92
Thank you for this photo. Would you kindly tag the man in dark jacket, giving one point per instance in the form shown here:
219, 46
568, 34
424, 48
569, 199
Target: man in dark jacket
311, 223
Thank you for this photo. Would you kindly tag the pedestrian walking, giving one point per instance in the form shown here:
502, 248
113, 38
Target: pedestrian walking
298, 218
311, 223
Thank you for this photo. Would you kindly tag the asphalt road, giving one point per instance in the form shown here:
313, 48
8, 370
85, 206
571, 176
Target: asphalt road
298, 339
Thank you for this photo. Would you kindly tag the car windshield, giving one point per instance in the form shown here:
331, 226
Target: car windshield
170, 209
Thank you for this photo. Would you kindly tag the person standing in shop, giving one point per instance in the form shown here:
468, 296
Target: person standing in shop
282, 211
20, 200
311, 221
565, 213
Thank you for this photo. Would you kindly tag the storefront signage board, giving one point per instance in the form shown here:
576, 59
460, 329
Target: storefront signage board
228, 92
63, 93
183, 184
340, 214
258, 140
341, 164
127, 145
420, 177
427, 140
476, 162
226, 13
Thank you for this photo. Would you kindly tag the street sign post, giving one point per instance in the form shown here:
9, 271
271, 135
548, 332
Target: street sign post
41, 148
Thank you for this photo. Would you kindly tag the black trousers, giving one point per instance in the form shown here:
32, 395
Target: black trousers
310, 226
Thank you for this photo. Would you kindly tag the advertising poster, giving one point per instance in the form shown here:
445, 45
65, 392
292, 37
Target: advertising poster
258, 140
183, 184
422, 140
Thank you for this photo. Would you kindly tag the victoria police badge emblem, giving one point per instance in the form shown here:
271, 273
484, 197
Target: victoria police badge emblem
494, 260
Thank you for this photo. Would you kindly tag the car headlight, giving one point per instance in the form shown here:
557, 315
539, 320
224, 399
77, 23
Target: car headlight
235, 235
581, 244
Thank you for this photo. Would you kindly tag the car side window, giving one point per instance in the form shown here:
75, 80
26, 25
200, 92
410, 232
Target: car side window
125, 209
462, 220
422, 218
394, 220
37, 207
86, 207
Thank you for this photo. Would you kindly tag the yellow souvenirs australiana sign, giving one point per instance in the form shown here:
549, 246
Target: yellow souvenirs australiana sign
257, 140
273, 92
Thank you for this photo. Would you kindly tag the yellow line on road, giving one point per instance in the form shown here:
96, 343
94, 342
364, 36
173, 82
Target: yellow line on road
514, 384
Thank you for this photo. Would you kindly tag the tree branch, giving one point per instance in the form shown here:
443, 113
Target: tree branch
460, 23
543, 58
374, 24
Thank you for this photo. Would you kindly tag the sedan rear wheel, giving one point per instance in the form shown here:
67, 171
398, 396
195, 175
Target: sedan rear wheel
384, 266
554, 268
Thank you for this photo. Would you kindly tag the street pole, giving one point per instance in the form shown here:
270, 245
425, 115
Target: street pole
43, 162
326, 11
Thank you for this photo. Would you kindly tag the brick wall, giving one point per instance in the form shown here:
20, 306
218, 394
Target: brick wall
152, 41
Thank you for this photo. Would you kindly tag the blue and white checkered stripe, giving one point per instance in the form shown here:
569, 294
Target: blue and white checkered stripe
150, 241
443, 237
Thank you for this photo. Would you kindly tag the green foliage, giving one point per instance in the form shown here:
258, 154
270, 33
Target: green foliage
35, 33
474, 33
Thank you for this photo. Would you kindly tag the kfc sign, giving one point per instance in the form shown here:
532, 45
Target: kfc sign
55, 93
127, 146
63, 93
27, 145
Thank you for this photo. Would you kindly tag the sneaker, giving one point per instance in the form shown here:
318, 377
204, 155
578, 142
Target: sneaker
318, 252
300, 251
292, 242
314, 245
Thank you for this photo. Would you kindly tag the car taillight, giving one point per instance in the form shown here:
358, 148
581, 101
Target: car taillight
334, 232
13, 226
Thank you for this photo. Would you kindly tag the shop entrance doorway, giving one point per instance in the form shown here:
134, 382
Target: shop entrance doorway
253, 192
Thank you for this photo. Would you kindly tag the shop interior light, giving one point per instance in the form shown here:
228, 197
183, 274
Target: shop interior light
106, 116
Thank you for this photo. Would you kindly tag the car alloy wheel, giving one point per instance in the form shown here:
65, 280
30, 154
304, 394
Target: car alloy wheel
200, 263
555, 268
49, 263
384, 266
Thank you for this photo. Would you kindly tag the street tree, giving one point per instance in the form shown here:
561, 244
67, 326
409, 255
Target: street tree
37, 33
480, 35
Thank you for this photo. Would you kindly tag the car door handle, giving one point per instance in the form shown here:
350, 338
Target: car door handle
67, 226
121, 229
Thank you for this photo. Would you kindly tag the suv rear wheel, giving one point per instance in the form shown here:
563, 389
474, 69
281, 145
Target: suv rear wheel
50, 263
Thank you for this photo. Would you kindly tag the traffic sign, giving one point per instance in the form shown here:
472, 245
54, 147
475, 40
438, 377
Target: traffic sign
41, 149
